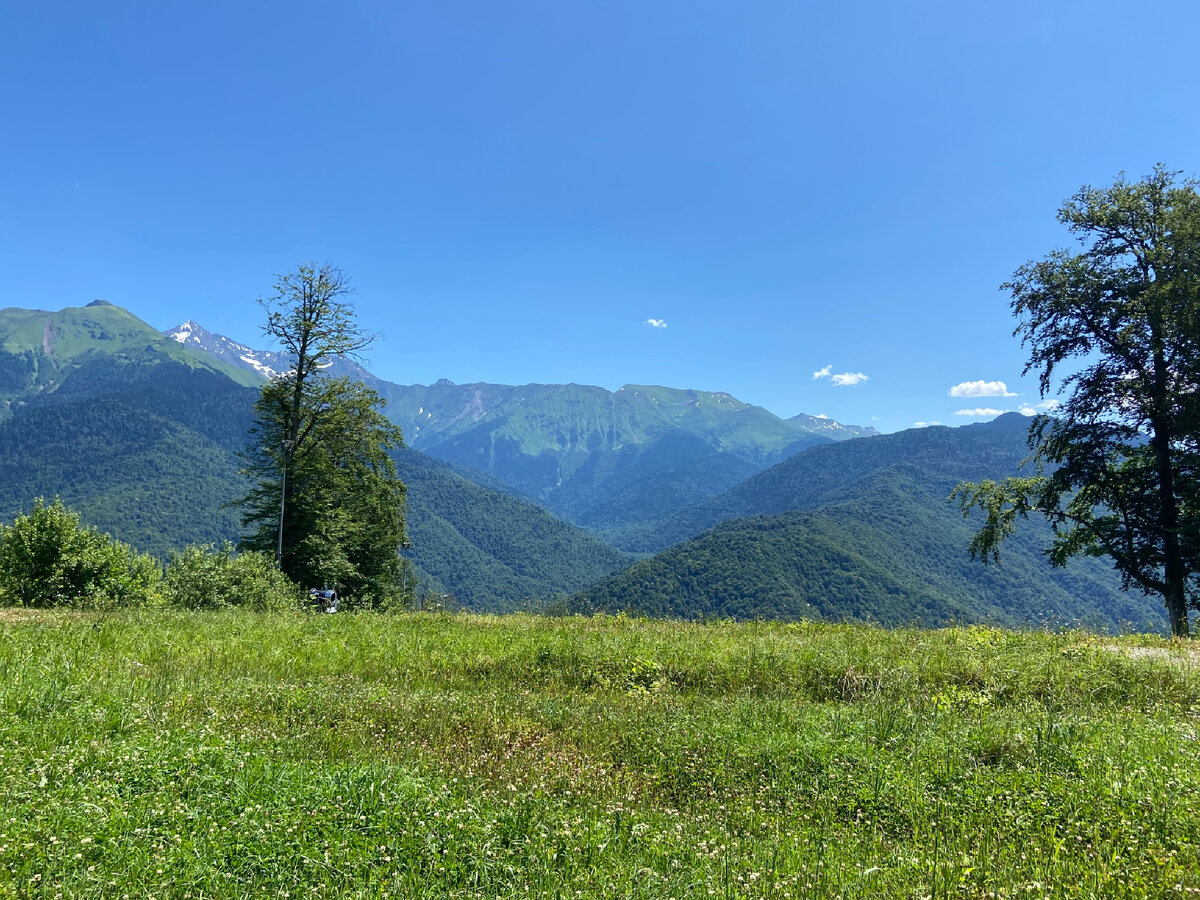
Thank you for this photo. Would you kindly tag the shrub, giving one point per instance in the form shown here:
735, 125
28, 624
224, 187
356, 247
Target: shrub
47, 560
207, 578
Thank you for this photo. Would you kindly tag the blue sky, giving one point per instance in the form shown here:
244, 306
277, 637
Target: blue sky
519, 191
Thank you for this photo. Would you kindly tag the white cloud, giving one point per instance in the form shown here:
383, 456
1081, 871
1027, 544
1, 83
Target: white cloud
981, 412
849, 379
820, 416
1044, 406
924, 424
823, 373
981, 389
656, 323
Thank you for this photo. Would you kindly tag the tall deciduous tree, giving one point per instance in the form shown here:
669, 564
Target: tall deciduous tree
1118, 324
326, 496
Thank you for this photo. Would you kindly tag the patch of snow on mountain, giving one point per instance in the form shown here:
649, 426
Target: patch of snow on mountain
258, 366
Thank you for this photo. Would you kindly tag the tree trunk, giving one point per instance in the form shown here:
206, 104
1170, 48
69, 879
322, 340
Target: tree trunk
1174, 569
1177, 610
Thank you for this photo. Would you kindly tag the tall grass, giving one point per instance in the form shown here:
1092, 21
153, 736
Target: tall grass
234, 754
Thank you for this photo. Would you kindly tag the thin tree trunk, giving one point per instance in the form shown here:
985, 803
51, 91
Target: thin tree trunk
1174, 568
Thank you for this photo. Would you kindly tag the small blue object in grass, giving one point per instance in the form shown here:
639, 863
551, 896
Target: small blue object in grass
324, 600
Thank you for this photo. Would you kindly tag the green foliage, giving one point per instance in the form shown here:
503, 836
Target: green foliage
245, 755
489, 549
859, 531
325, 497
1118, 463
207, 578
47, 559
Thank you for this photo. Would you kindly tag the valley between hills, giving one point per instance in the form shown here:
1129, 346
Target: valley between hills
647, 500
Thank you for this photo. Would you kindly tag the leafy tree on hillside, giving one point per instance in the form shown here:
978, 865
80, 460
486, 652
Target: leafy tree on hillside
1118, 464
48, 559
326, 498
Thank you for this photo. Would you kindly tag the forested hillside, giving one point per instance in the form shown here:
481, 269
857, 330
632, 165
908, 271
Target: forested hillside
145, 446
830, 472
127, 427
150, 459
870, 536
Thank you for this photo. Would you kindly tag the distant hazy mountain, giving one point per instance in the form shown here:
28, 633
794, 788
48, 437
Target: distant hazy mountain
862, 530
599, 458
141, 434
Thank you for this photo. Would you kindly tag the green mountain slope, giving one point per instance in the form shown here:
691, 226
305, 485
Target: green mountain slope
576, 447
597, 458
150, 459
873, 539
145, 446
39, 349
829, 472
492, 550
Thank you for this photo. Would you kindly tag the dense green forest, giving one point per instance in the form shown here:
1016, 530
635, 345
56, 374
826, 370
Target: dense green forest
147, 450
880, 545
153, 462
832, 471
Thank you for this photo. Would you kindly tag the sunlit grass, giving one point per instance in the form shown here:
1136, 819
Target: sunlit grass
236, 754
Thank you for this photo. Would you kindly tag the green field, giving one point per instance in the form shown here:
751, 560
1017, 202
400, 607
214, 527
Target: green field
156, 754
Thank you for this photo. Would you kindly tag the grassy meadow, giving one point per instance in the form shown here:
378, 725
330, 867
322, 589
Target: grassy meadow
234, 754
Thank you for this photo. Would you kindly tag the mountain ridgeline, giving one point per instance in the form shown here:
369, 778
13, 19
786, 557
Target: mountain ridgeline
144, 442
598, 458
863, 531
517, 494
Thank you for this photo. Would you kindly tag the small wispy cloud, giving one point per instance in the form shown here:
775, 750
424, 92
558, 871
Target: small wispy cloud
924, 424
820, 416
981, 389
981, 412
656, 323
849, 379
1049, 404
823, 373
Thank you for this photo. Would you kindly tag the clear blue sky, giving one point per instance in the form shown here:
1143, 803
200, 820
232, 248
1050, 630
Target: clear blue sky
517, 189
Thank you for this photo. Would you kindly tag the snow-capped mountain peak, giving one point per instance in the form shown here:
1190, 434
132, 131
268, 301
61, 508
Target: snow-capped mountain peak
264, 362
267, 363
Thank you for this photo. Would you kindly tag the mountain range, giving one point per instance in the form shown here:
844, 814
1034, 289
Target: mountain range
863, 531
142, 434
533, 491
597, 458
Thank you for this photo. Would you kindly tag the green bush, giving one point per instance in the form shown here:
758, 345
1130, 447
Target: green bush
48, 560
207, 578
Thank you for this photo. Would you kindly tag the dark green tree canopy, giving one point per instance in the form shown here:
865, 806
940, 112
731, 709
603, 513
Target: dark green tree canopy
326, 496
1115, 327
